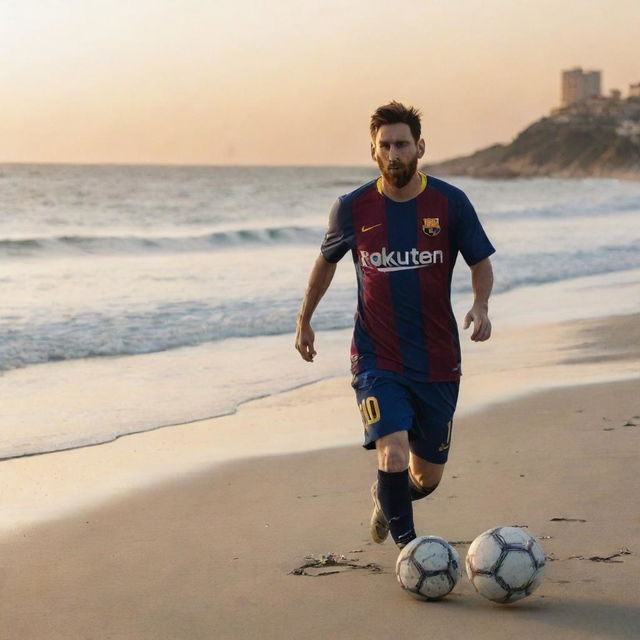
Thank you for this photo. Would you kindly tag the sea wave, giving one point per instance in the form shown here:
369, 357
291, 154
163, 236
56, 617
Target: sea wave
132, 244
562, 210
125, 329
138, 329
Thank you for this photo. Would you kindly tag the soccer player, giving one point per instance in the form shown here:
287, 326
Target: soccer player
404, 231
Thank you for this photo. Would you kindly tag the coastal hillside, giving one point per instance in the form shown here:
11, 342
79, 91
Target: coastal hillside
599, 137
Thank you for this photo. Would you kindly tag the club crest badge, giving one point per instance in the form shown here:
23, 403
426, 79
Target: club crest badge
431, 226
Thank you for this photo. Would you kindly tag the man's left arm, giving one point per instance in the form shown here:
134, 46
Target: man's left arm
482, 283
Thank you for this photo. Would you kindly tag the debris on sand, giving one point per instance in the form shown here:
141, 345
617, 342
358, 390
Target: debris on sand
567, 520
624, 551
316, 567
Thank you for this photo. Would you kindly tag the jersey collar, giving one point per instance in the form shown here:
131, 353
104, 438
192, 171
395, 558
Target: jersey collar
423, 184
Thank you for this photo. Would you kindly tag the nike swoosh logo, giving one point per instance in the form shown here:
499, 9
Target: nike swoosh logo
375, 226
412, 266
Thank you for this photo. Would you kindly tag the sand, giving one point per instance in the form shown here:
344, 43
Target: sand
209, 553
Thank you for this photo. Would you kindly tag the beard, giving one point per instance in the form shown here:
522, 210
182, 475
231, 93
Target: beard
397, 173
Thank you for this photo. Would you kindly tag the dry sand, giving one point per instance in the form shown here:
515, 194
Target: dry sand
210, 555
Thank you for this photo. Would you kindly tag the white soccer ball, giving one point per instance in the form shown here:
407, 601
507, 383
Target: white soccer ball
428, 567
505, 564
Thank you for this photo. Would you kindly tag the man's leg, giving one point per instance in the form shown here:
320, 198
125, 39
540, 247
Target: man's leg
424, 476
435, 407
404, 464
391, 495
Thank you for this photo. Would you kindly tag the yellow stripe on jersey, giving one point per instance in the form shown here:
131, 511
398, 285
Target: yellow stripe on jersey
423, 182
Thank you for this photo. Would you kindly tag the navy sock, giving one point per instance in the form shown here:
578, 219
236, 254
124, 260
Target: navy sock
395, 500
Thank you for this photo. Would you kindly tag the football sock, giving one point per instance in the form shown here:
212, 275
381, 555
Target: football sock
416, 491
395, 501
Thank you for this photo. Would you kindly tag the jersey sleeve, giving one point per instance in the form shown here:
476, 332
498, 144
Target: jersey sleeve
339, 237
472, 241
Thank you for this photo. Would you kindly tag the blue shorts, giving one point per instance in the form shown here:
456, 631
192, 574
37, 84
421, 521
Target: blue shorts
389, 402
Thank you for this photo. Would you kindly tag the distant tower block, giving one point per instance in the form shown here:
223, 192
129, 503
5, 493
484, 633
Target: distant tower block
578, 85
634, 90
592, 84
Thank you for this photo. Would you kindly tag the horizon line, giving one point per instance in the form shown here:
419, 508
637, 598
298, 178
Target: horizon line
61, 163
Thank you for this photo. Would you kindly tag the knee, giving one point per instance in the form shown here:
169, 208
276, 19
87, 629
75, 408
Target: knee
392, 459
426, 480
418, 489
425, 488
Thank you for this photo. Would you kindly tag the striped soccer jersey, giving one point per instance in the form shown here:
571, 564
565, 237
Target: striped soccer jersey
404, 254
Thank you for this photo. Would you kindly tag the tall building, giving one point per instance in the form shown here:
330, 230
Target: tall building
578, 85
634, 90
592, 84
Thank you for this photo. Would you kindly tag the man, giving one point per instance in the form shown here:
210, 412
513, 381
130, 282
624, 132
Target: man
404, 231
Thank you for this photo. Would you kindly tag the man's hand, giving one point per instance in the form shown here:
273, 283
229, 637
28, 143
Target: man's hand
481, 282
319, 281
481, 324
304, 341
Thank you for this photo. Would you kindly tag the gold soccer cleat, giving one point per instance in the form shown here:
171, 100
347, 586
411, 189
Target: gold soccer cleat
379, 523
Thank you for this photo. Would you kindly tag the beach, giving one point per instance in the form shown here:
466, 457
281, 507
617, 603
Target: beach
171, 468
209, 547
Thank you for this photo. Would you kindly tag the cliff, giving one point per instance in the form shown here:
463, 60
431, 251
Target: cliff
595, 138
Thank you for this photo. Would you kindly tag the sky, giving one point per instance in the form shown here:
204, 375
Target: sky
289, 82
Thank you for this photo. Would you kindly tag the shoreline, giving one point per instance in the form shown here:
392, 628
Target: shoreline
58, 406
194, 421
509, 367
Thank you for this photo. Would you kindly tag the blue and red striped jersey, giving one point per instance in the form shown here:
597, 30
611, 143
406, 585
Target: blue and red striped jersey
404, 254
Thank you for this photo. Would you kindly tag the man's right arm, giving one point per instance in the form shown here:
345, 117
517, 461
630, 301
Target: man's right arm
319, 281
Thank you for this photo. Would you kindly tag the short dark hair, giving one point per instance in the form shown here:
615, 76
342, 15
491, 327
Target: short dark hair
393, 113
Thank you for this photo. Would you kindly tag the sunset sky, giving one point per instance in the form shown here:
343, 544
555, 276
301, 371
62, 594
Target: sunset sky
289, 81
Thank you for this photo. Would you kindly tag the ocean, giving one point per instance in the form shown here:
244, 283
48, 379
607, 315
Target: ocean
136, 297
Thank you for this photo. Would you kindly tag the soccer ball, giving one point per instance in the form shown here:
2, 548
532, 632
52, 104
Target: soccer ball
428, 567
505, 564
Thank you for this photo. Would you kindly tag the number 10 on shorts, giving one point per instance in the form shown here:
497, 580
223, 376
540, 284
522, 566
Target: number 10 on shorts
370, 410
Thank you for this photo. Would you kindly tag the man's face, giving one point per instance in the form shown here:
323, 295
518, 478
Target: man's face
396, 153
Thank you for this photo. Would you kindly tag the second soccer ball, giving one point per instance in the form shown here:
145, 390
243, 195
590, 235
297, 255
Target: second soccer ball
505, 564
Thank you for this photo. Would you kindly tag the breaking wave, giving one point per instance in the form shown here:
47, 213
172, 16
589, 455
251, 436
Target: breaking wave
96, 244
